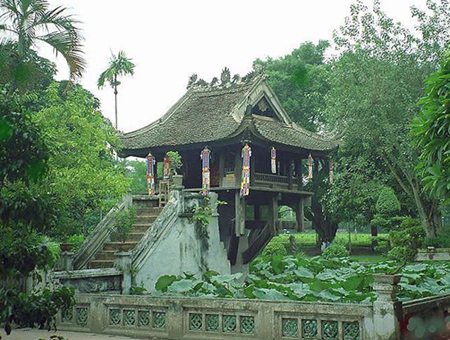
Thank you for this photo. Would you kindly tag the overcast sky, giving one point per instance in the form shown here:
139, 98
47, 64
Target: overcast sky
170, 40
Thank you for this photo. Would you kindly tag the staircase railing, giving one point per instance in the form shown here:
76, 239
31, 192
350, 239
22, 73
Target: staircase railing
100, 235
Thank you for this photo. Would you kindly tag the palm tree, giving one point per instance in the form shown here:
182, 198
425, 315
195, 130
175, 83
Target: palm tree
119, 65
31, 21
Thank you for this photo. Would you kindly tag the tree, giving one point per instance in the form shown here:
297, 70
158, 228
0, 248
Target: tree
300, 81
31, 21
119, 65
375, 85
82, 173
431, 133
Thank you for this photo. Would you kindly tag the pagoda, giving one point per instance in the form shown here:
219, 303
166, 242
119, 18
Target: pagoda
236, 139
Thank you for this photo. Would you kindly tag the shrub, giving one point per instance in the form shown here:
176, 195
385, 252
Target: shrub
335, 251
442, 239
387, 203
402, 254
274, 248
406, 240
76, 240
124, 224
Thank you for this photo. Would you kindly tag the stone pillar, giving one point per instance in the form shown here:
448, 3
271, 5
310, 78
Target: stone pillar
122, 262
66, 260
386, 311
98, 314
239, 266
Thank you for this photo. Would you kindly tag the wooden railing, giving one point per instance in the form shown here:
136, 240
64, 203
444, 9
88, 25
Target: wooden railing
271, 178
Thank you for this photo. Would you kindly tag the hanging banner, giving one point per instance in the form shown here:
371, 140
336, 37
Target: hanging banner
150, 174
273, 160
310, 167
245, 181
166, 170
205, 156
331, 171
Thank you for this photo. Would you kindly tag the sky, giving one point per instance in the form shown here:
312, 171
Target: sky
170, 40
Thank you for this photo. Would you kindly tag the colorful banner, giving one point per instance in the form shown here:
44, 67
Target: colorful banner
331, 171
205, 156
245, 181
310, 167
151, 161
273, 160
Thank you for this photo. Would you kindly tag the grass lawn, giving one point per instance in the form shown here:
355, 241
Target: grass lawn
309, 239
360, 245
375, 258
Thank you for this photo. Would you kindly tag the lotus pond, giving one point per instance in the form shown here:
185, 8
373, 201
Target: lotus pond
311, 279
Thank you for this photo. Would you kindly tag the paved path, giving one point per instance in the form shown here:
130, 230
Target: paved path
36, 334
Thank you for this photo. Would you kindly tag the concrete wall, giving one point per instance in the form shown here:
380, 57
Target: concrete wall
218, 319
176, 249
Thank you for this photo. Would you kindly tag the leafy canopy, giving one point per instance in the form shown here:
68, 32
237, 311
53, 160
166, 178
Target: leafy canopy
431, 133
33, 21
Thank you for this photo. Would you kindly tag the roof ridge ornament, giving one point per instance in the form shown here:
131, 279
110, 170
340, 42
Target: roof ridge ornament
225, 80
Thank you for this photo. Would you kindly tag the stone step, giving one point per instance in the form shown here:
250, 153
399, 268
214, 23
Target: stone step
141, 227
135, 236
97, 264
120, 246
146, 218
146, 201
108, 255
143, 210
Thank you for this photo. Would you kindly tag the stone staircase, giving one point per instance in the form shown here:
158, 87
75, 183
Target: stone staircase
147, 211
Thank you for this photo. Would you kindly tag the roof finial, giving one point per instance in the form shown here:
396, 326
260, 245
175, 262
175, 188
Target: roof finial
225, 76
192, 80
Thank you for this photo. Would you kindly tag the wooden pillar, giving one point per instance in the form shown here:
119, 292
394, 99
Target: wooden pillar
239, 214
291, 175
221, 167
252, 169
273, 213
257, 212
238, 168
300, 214
298, 168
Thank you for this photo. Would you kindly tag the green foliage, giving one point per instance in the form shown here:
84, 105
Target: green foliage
201, 216
335, 251
316, 279
21, 252
137, 290
387, 203
442, 239
431, 133
119, 65
36, 309
136, 171
83, 174
76, 241
406, 239
375, 83
175, 160
27, 22
124, 221
274, 249
300, 81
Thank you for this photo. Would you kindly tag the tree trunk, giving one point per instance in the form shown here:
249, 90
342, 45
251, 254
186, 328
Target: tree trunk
429, 214
115, 100
325, 229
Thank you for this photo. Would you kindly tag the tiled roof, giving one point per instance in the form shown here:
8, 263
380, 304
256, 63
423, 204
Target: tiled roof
204, 115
